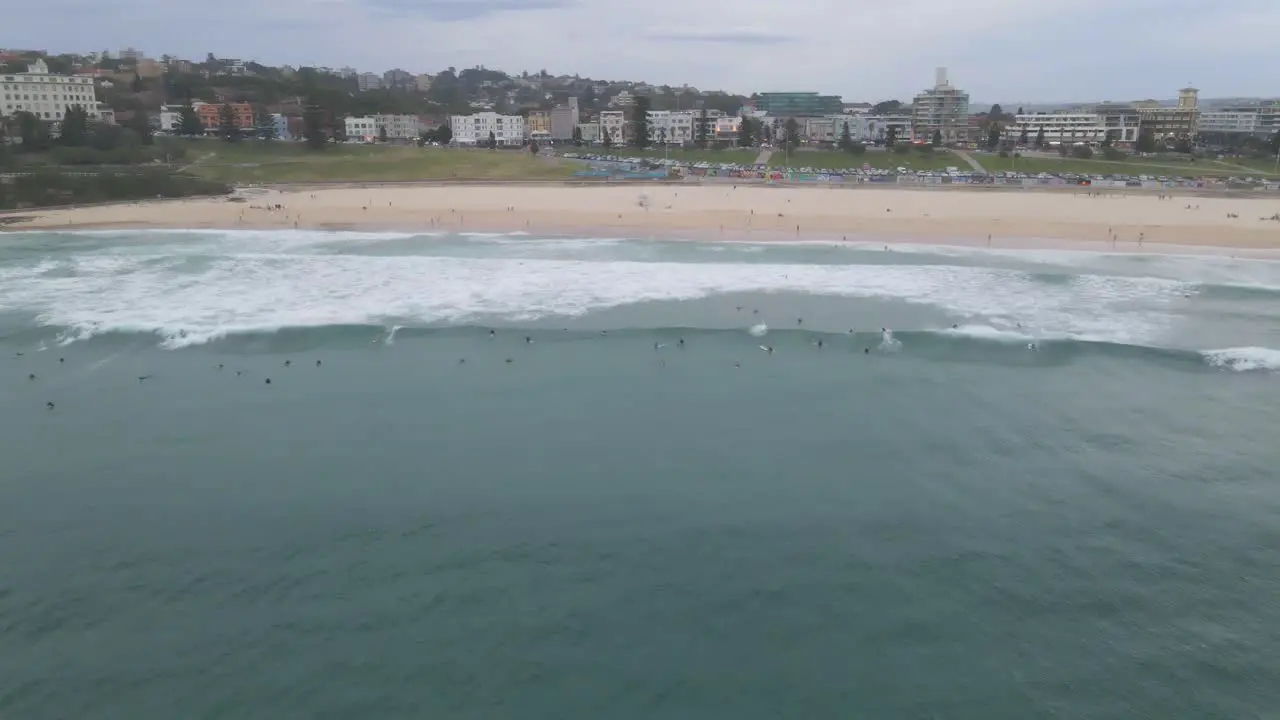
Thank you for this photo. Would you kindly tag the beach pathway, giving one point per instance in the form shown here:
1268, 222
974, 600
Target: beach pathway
763, 157
977, 166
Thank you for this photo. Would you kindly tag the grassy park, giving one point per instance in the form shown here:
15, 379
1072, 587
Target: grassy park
250, 161
879, 159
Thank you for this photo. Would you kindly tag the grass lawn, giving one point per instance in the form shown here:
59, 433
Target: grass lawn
250, 161
879, 159
1249, 166
741, 157
1134, 166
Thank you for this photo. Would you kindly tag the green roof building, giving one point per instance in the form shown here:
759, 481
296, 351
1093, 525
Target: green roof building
799, 104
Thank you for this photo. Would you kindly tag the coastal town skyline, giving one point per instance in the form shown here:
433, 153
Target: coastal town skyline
1000, 50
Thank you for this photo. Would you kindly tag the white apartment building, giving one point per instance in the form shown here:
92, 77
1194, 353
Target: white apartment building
590, 132
371, 127
1059, 127
171, 118
613, 123
941, 109
399, 127
46, 95
363, 129
1229, 122
475, 129
875, 128
675, 127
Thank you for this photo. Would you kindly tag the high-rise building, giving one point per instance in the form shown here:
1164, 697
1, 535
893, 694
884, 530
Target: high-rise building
564, 118
941, 109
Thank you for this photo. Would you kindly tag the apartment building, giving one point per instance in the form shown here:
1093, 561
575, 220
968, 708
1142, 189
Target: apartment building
372, 127
368, 81
507, 130
1121, 122
1180, 121
538, 124
46, 95
673, 127
1059, 128
941, 109
1228, 122
564, 118
590, 132
875, 128
210, 115
798, 104
613, 124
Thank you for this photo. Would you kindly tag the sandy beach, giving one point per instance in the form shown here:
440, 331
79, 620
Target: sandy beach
1001, 219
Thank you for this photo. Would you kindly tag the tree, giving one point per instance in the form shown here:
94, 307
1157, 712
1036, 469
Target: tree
444, 134
605, 139
140, 124
640, 119
746, 132
136, 85
1109, 139
891, 137
1146, 141
1022, 139
1083, 152
382, 133
189, 122
34, 133
1183, 145
766, 132
858, 148
1275, 143
1040, 142
533, 147
886, 107
75, 127
846, 138
793, 133
937, 138
996, 114
493, 141
313, 126
577, 136
265, 125
227, 127
993, 136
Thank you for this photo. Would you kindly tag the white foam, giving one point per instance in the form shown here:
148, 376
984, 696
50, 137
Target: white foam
256, 281
1244, 359
759, 330
986, 332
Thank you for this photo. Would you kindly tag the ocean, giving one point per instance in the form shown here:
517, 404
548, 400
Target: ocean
514, 476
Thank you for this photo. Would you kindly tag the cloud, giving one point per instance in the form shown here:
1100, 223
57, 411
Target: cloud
460, 10
743, 36
1007, 51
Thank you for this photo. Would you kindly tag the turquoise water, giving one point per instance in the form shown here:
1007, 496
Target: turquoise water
938, 521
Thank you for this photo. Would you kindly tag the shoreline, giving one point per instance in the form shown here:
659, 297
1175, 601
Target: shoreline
1009, 220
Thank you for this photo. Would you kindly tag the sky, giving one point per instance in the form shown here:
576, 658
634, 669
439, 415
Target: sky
1008, 51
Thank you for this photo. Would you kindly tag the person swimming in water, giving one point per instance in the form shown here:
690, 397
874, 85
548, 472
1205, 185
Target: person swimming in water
318, 363
681, 343
49, 405
32, 376
267, 382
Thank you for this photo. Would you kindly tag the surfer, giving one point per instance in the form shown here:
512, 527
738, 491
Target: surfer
866, 351
268, 381
318, 363
141, 378
288, 363
681, 343
493, 333
658, 346
32, 376
509, 361
49, 405
528, 340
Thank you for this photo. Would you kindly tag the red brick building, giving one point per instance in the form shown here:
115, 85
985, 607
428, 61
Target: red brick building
211, 115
